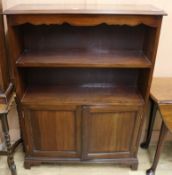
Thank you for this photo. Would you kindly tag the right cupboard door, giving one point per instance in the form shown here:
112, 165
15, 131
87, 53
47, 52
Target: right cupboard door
110, 132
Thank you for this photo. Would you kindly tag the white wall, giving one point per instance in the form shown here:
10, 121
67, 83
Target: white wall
164, 59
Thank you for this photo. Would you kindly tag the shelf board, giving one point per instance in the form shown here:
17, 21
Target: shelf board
84, 58
81, 95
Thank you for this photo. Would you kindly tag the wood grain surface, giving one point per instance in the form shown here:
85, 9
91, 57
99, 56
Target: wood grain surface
84, 9
84, 58
166, 112
161, 90
56, 95
102, 103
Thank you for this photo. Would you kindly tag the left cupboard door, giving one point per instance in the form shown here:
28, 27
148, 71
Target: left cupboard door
53, 133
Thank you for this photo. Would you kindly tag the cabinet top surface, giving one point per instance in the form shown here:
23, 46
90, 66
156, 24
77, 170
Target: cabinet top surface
84, 9
161, 90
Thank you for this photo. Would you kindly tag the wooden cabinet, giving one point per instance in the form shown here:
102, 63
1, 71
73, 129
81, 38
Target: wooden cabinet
82, 79
84, 133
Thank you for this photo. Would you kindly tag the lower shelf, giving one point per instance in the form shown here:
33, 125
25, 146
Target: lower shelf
82, 95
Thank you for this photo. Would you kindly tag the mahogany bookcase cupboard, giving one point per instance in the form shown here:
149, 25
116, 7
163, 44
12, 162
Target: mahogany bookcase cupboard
82, 78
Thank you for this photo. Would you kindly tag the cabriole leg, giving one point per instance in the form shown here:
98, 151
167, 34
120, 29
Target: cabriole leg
162, 136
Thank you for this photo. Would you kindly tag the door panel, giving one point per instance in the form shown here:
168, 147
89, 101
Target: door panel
115, 126
109, 134
46, 124
54, 133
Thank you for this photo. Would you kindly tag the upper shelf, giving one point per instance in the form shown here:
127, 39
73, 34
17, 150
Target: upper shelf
84, 58
114, 9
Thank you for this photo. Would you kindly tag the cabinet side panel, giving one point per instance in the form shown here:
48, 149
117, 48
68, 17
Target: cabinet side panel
150, 47
15, 49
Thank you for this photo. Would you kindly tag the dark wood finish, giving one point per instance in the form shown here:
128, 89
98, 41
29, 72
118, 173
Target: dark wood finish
15, 45
162, 136
160, 97
166, 111
85, 77
6, 97
152, 116
150, 49
160, 90
84, 40
56, 95
87, 20
80, 77
85, 9
4, 109
4, 74
161, 100
106, 142
65, 122
5, 129
72, 58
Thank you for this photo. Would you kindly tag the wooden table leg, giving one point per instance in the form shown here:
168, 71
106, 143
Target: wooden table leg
153, 110
10, 158
14, 146
162, 136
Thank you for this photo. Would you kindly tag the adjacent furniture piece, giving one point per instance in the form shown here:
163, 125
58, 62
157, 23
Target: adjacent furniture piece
82, 76
4, 109
6, 98
161, 97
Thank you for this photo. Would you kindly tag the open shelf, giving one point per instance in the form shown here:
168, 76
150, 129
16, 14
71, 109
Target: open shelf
84, 58
82, 95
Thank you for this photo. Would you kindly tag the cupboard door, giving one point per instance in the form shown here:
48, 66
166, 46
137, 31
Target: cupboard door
53, 133
110, 132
